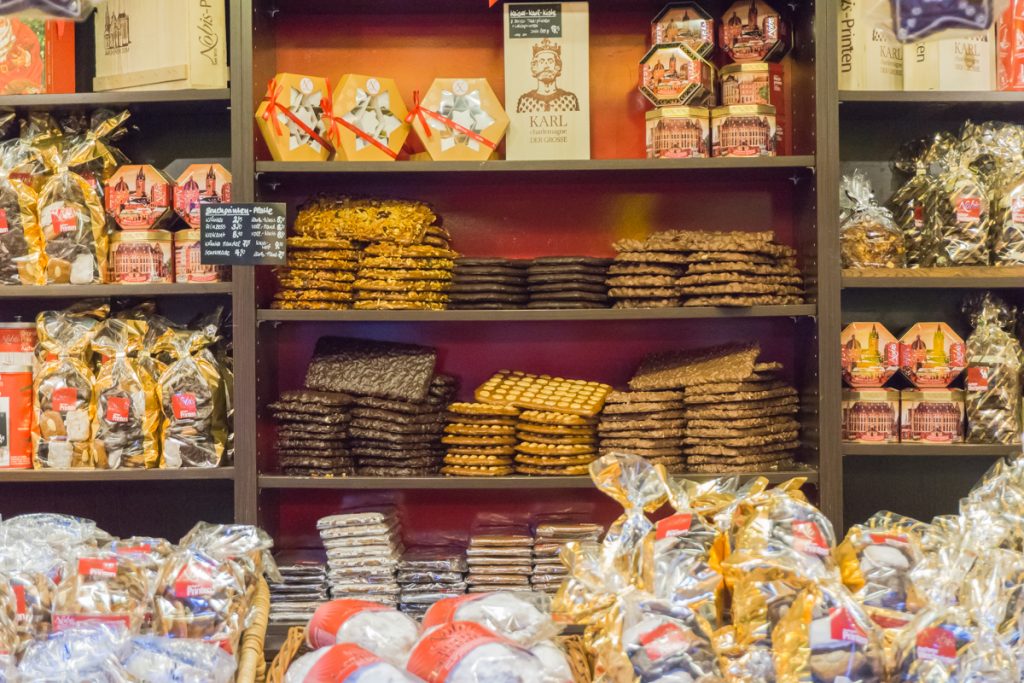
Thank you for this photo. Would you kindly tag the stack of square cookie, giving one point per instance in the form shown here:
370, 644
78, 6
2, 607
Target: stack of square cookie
549, 539
489, 284
319, 275
312, 433
480, 439
392, 438
428, 574
499, 561
568, 282
643, 277
302, 589
650, 424
363, 549
395, 277
555, 444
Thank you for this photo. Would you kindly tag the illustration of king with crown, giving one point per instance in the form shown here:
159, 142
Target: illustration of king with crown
546, 67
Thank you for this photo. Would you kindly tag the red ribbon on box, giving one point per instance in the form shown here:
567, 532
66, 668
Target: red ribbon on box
419, 110
327, 112
274, 90
362, 134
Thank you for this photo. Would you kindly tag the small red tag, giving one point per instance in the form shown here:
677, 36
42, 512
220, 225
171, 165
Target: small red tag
673, 526
193, 581
20, 604
968, 209
977, 378
844, 628
135, 550
64, 219
1017, 210
184, 406
98, 567
936, 643
807, 538
895, 540
918, 215
664, 640
4, 227
65, 399
118, 408
957, 355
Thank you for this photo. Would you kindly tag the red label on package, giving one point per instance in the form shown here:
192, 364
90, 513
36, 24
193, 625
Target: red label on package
184, 406
664, 640
439, 652
673, 526
193, 581
918, 215
62, 622
895, 540
957, 355
339, 663
98, 567
64, 219
968, 209
118, 408
20, 604
892, 354
807, 538
329, 617
443, 611
936, 643
845, 628
135, 550
977, 378
65, 399
4, 227
1017, 210
892, 620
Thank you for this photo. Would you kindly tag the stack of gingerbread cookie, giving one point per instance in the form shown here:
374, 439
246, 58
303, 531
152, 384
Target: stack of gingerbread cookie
319, 275
489, 284
549, 538
555, 443
650, 424
312, 433
499, 560
394, 277
566, 282
642, 277
739, 411
480, 440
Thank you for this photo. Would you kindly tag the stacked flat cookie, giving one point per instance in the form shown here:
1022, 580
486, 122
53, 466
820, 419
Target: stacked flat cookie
363, 550
428, 574
489, 284
480, 440
721, 269
396, 277
650, 424
312, 433
551, 443
391, 438
568, 282
549, 539
499, 561
302, 590
319, 275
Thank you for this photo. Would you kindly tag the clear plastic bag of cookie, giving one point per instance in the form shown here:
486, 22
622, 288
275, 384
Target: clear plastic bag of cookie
868, 236
964, 216
162, 660
245, 544
191, 392
1009, 217
913, 208
995, 359
127, 418
88, 652
63, 387
90, 144
21, 243
99, 585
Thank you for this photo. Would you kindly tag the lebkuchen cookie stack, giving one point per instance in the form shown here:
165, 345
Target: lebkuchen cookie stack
480, 440
312, 433
645, 423
739, 412
701, 268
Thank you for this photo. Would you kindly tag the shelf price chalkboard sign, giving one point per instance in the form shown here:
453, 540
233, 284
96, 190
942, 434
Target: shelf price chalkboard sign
244, 234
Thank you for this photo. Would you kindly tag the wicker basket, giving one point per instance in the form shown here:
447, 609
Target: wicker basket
295, 643
252, 665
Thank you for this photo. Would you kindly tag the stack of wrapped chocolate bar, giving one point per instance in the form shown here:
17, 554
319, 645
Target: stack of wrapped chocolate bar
721, 269
303, 589
312, 433
568, 282
319, 275
739, 412
645, 423
399, 402
427, 574
489, 284
499, 560
363, 549
397, 277
480, 440
549, 539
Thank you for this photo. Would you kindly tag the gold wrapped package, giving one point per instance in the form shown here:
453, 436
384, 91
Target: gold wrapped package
21, 241
459, 119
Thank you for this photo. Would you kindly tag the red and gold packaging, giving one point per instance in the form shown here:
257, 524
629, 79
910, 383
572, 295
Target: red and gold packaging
744, 130
932, 416
687, 23
367, 119
190, 195
188, 266
753, 31
459, 119
289, 118
871, 415
142, 257
676, 75
138, 197
760, 83
932, 355
870, 354
678, 133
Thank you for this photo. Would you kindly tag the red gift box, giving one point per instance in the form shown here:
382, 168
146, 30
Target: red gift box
36, 56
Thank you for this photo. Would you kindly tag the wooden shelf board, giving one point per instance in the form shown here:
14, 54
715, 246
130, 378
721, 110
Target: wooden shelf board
917, 449
963, 277
52, 476
587, 165
132, 99
527, 315
272, 481
930, 97
81, 291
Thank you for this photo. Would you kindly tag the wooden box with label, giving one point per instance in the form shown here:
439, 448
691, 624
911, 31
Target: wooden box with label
959, 60
547, 80
160, 45
870, 56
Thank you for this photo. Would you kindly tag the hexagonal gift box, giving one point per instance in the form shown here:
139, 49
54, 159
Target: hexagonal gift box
753, 31
289, 118
870, 354
138, 197
459, 119
200, 184
368, 119
675, 74
687, 23
932, 355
